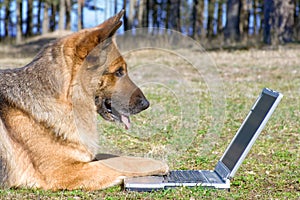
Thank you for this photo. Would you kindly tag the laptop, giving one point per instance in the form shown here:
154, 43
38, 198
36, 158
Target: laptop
228, 164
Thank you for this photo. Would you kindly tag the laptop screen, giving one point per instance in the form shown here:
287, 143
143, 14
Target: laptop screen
248, 130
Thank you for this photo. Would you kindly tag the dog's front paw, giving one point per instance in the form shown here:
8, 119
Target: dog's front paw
164, 169
136, 166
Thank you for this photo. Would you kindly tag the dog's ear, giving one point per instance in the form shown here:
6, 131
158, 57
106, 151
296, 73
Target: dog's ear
112, 20
101, 34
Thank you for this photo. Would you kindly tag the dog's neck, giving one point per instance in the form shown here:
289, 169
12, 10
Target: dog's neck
52, 109
85, 119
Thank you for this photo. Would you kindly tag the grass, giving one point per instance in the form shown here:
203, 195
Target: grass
178, 128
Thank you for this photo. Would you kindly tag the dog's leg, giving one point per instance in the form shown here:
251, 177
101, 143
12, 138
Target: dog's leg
102, 174
87, 176
136, 166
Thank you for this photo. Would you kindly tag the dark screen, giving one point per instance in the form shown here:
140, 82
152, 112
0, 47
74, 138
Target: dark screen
248, 130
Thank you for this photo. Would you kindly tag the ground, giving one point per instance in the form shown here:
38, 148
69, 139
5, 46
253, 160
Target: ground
188, 128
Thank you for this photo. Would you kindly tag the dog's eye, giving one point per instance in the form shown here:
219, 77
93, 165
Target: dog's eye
120, 72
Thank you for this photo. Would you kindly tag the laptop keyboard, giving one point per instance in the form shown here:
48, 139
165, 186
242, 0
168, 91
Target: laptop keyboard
185, 176
212, 177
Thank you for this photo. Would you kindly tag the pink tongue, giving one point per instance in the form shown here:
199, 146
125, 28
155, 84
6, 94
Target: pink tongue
125, 121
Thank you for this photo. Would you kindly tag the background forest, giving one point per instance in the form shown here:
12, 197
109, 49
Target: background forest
227, 22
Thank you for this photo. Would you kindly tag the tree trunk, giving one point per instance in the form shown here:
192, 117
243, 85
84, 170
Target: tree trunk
167, 18
178, 26
19, 22
6, 19
200, 19
140, 13
297, 22
232, 30
175, 15
45, 24
285, 13
62, 12
194, 18
261, 15
0, 22
131, 14
68, 14
39, 17
29, 20
125, 19
146, 13
245, 15
268, 9
154, 14
220, 18
197, 18
116, 6
80, 14
210, 18
53, 17
255, 24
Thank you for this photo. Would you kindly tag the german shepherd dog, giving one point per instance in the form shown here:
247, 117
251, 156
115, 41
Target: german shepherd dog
48, 114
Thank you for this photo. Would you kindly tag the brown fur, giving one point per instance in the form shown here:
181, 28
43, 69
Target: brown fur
48, 112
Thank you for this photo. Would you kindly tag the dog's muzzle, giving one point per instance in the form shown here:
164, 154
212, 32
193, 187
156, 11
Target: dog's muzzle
115, 110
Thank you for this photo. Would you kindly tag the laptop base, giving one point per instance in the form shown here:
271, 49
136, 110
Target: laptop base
177, 178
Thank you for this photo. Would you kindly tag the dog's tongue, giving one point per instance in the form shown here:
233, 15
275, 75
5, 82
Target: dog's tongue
125, 121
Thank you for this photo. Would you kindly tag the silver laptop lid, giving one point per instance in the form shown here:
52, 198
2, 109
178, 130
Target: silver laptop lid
245, 137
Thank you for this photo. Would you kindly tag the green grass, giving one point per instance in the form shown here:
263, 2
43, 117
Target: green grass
270, 171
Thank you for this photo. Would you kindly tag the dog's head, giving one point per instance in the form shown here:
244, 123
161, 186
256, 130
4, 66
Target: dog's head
104, 75
117, 96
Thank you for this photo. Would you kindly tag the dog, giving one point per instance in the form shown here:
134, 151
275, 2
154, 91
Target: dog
49, 109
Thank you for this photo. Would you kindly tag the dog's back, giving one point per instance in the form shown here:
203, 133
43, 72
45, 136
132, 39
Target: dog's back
6, 150
3, 151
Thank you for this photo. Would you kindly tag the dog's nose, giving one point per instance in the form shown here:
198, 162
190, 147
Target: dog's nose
144, 103
138, 101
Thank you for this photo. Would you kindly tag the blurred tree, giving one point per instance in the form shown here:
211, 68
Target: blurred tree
272, 21
141, 7
297, 20
53, 22
268, 9
38, 25
220, 17
175, 15
29, 20
154, 8
62, 13
285, 18
125, 21
194, 18
254, 12
45, 24
19, 6
131, 14
278, 21
232, 29
80, 5
146, 13
116, 7
167, 16
245, 17
7, 17
68, 14
210, 18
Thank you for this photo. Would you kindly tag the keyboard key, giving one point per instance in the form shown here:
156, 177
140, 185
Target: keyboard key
186, 176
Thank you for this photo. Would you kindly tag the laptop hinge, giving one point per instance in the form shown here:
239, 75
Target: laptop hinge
222, 171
